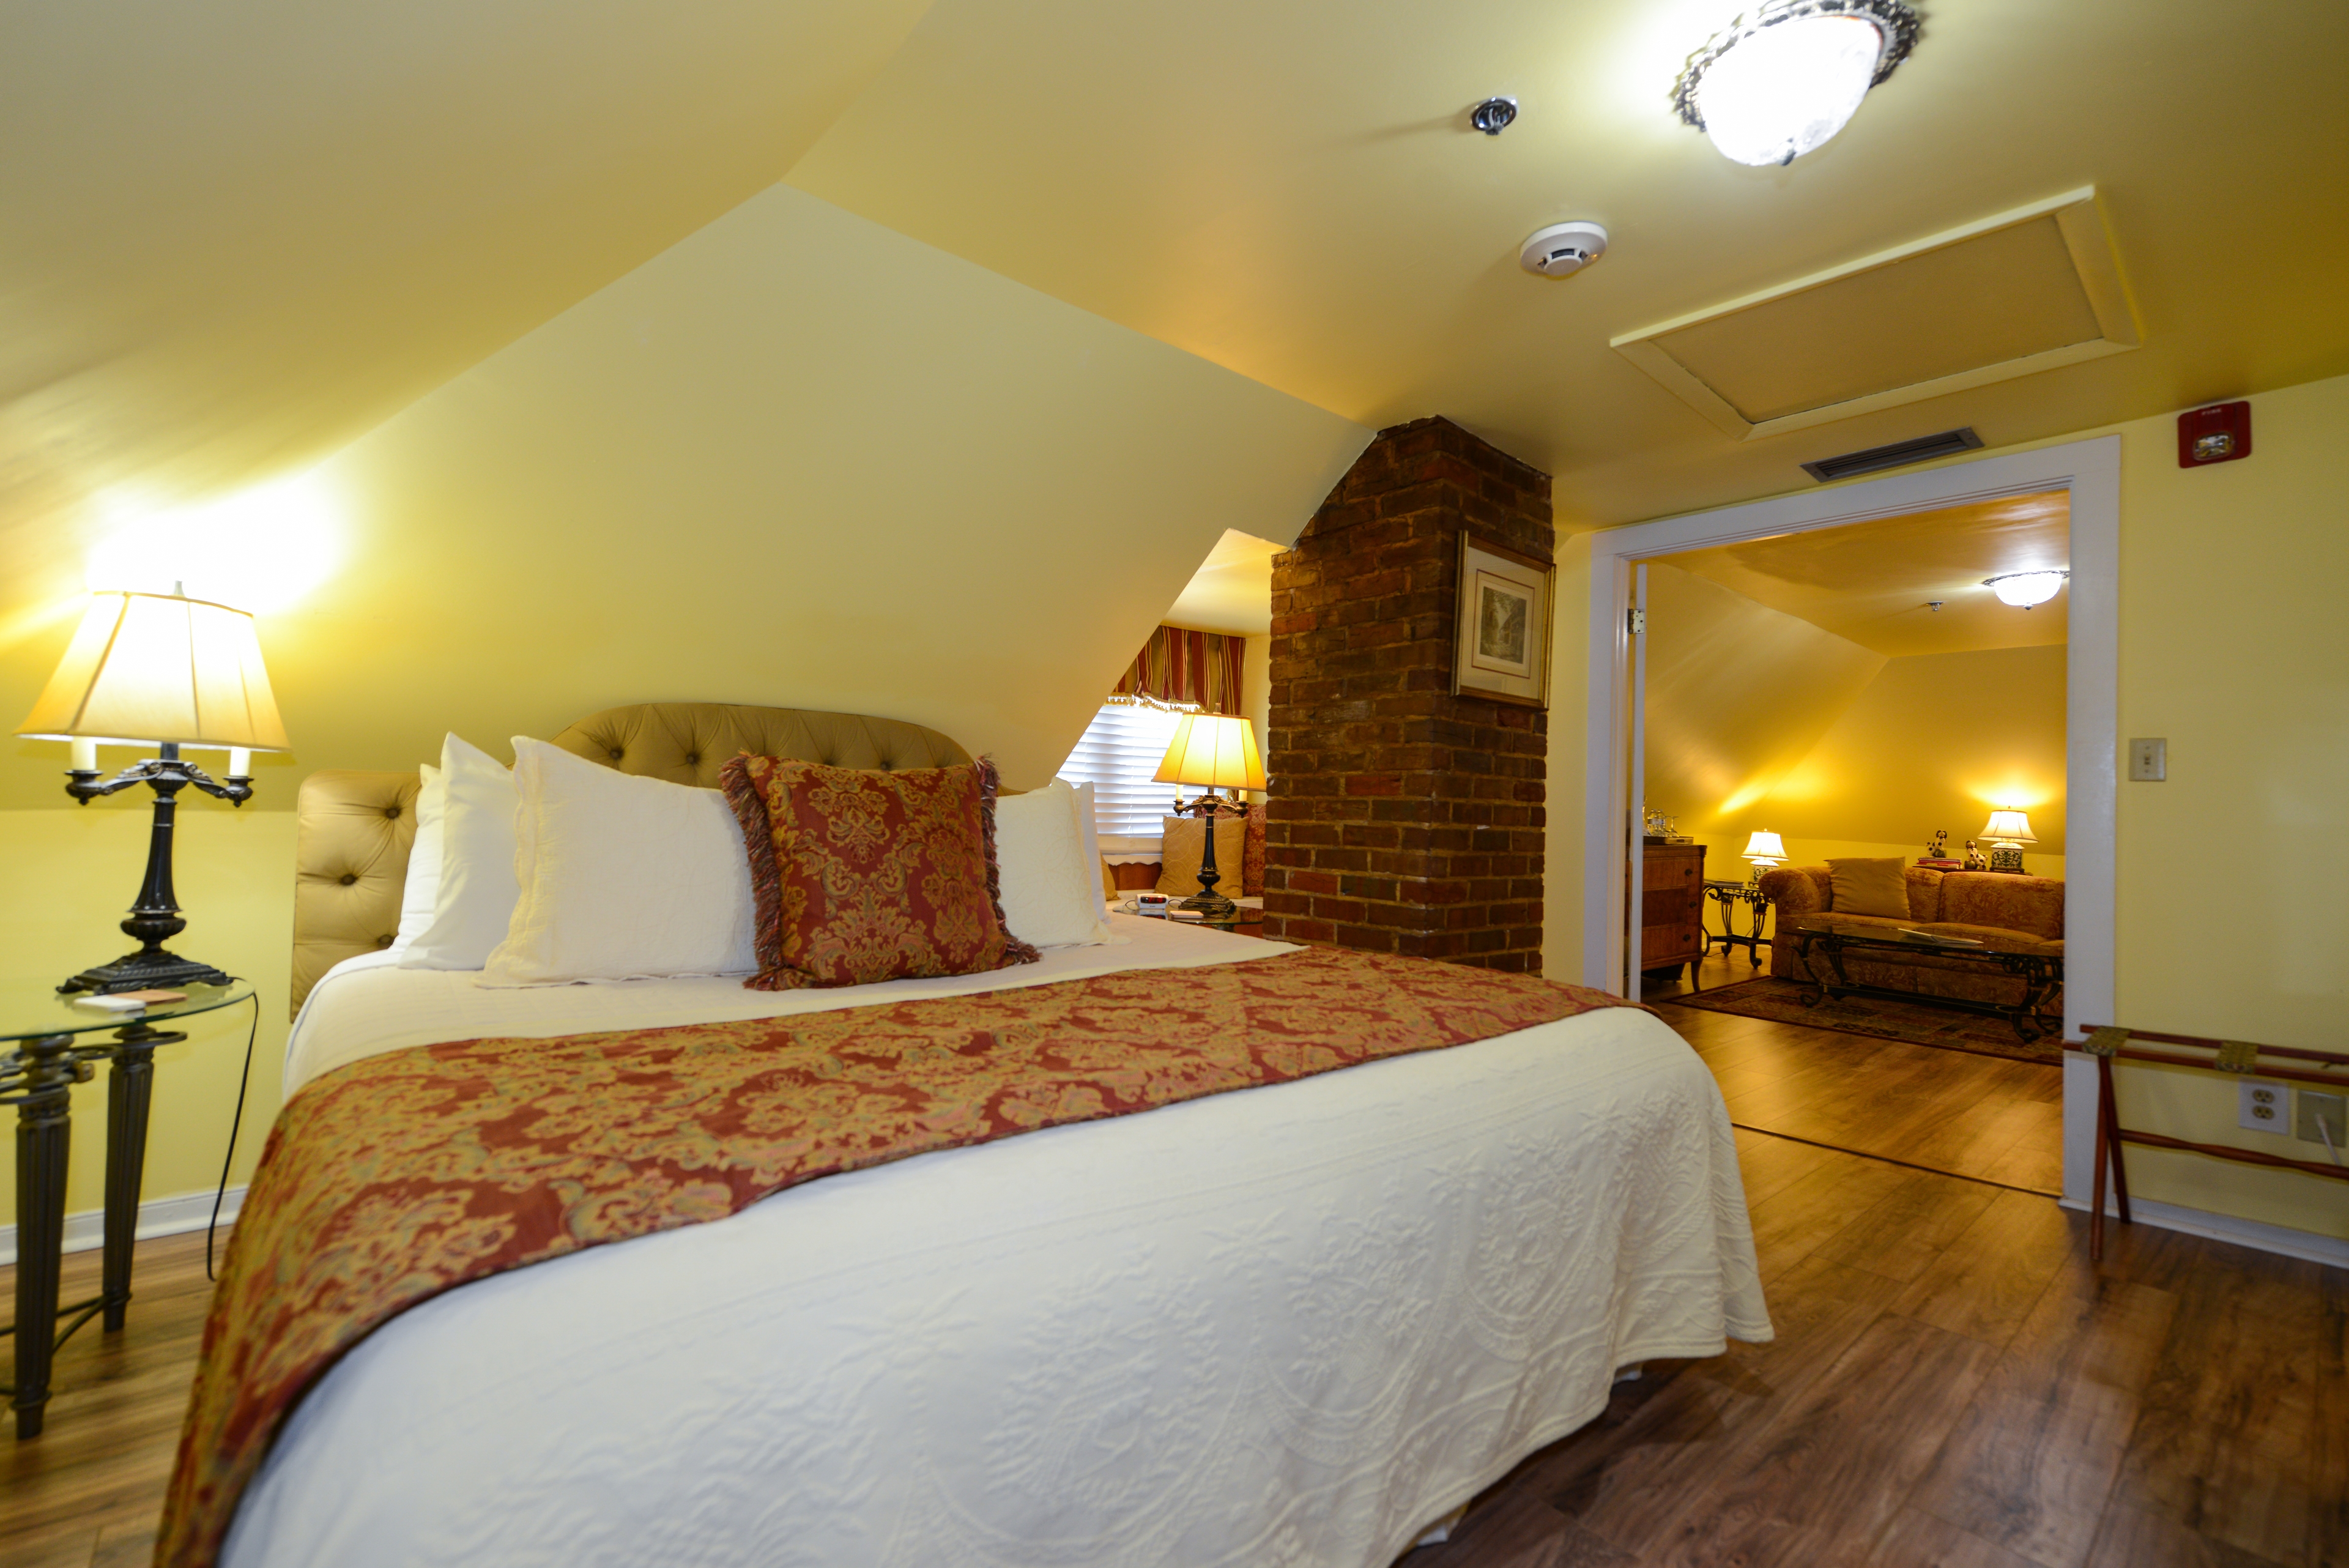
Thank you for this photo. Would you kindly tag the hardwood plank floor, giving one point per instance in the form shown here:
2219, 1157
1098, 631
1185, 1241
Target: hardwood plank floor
1981, 1116
1952, 1383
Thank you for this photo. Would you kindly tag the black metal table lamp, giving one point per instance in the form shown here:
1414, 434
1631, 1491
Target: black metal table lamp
1214, 751
166, 670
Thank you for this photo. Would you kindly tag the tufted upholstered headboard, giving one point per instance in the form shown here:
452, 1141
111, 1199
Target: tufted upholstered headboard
353, 830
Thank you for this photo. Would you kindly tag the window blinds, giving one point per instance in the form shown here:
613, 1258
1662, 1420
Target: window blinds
1121, 749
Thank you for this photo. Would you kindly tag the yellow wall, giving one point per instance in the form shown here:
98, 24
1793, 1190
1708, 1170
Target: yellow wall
1256, 688
69, 876
797, 459
2233, 646
1936, 741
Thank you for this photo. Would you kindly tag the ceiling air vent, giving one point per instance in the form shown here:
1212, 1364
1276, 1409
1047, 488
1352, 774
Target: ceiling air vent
1899, 454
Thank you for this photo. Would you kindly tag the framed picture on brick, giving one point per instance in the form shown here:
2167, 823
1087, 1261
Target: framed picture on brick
1502, 650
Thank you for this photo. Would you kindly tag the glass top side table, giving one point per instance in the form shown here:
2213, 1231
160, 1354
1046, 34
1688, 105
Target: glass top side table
54, 1043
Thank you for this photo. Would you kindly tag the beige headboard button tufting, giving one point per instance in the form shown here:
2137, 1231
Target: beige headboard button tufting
689, 742
353, 830
352, 834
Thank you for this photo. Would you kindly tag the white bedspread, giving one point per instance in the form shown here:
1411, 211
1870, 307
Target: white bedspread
1286, 1326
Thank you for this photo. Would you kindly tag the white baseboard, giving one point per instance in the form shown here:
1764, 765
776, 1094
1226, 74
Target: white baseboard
2255, 1233
156, 1216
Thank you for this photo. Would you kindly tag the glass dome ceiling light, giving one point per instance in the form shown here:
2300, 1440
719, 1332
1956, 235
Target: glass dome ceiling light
2023, 589
1781, 80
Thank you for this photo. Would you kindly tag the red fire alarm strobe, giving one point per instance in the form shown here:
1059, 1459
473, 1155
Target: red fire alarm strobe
2220, 433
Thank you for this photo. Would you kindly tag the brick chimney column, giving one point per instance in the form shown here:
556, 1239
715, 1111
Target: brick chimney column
1403, 818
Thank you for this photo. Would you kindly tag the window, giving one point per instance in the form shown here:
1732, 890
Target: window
1121, 749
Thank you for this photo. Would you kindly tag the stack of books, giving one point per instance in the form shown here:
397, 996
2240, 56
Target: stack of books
1942, 865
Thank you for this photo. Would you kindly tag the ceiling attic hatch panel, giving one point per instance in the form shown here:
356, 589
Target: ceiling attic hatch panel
2023, 292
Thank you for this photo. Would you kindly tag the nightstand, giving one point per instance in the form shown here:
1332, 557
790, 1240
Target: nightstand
55, 1047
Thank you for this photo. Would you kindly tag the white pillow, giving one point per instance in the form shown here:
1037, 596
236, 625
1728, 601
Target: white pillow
1089, 822
475, 898
418, 895
621, 877
1051, 896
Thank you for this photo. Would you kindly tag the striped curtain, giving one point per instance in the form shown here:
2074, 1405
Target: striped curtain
1186, 669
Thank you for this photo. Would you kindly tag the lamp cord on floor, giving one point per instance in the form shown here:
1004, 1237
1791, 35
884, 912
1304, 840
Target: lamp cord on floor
235, 1122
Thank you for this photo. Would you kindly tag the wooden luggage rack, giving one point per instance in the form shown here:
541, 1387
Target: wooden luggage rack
2110, 1042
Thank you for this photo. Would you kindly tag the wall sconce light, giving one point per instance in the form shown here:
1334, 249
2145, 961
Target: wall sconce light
1783, 79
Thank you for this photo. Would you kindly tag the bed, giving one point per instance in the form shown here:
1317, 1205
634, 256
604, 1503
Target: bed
1289, 1325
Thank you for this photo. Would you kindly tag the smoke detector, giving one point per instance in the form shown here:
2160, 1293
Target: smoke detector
1563, 248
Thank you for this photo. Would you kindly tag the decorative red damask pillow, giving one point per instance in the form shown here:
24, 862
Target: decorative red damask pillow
863, 877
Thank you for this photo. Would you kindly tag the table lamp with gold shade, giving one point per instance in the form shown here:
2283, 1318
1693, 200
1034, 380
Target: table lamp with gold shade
1213, 752
166, 670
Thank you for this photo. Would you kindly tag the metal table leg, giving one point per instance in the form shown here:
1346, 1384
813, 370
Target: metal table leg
130, 1091
40, 1077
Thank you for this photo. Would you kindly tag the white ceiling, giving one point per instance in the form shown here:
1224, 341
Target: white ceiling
1294, 192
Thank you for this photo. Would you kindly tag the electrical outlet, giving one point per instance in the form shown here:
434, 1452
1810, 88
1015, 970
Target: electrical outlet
2333, 1110
2149, 761
2262, 1106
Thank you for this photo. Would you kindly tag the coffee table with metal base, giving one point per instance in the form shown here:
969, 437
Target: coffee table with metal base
2042, 972
55, 1045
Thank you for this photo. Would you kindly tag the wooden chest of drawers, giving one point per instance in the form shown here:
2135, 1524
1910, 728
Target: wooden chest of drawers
1672, 907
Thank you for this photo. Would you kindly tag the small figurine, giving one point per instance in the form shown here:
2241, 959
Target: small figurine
1939, 848
1975, 859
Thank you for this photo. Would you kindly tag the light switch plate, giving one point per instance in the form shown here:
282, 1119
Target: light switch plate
2149, 761
2262, 1107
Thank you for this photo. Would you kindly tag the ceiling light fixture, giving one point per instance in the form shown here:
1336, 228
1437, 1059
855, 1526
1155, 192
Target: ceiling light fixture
2023, 589
1784, 78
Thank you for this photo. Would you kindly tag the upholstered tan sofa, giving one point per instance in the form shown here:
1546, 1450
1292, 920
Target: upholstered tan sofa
2027, 911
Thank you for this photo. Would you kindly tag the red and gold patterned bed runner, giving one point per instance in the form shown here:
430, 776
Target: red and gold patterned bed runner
404, 1175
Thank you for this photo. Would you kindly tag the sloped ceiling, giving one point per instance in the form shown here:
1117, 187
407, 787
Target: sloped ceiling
1294, 192
236, 235
1878, 583
1232, 591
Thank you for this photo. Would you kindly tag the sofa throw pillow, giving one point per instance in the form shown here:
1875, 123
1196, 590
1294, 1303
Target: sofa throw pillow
1870, 887
1049, 891
621, 877
865, 875
1185, 844
475, 897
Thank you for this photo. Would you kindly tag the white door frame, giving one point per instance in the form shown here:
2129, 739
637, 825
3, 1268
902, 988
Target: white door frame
2091, 472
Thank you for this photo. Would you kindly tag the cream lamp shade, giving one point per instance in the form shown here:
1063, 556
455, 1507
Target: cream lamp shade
1214, 751
153, 667
2009, 828
1765, 848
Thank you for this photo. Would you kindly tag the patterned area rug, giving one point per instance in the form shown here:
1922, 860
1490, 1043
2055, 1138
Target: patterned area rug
1919, 1024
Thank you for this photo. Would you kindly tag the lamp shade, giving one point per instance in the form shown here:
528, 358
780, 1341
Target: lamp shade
1215, 751
2009, 828
155, 668
1765, 845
